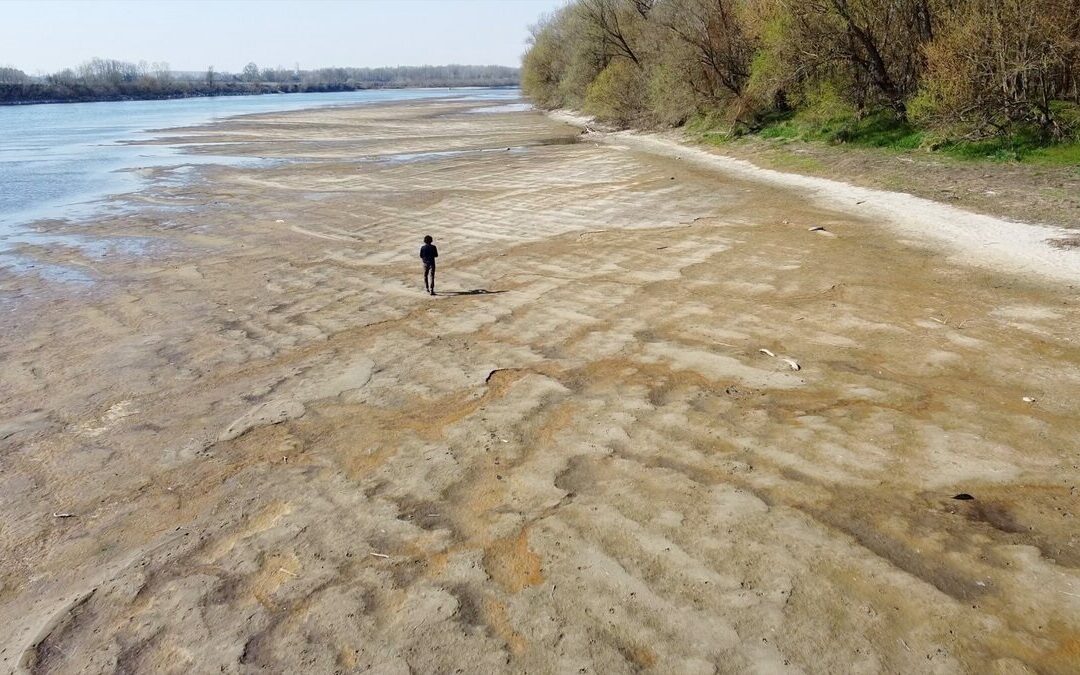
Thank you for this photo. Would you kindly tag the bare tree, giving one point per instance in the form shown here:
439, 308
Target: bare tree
9, 75
251, 73
880, 43
715, 32
1001, 63
613, 19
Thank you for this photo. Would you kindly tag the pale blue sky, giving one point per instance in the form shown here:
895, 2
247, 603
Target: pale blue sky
48, 35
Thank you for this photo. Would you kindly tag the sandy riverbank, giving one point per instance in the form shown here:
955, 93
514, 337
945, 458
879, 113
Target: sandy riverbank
277, 453
985, 240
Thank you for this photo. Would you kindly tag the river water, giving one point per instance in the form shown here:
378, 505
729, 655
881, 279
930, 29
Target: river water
62, 160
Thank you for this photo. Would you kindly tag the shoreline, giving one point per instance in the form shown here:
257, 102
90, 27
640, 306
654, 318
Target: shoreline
125, 164
977, 239
228, 94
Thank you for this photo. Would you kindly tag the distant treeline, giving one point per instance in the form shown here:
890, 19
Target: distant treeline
111, 80
965, 69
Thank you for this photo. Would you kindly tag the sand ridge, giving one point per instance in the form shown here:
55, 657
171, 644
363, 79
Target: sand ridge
280, 455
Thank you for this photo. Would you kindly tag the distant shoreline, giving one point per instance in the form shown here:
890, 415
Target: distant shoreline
228, 90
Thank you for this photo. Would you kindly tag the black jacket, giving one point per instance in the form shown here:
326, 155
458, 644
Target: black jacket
428, 253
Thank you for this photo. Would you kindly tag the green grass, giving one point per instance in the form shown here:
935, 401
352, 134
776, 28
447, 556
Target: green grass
1022, 145
1067, 154
709, 128
785, 130
883, 130
880, 130
1016, 148
795, 162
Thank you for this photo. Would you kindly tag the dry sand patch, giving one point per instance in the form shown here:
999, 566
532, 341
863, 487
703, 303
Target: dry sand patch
575, 459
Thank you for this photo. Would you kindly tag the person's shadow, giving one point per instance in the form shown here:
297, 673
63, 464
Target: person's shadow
475, 291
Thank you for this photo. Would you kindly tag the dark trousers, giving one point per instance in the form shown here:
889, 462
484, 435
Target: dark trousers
429, 270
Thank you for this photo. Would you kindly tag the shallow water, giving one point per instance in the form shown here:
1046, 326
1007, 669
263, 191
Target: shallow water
61, 160
504, 108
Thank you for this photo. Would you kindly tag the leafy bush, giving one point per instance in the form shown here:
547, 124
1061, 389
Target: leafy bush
617, 94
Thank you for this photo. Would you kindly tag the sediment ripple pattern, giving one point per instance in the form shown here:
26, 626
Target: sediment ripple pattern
278, 454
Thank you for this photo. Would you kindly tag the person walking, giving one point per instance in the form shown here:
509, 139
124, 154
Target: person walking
428, 253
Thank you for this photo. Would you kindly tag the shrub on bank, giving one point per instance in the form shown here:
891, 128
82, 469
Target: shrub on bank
997, 78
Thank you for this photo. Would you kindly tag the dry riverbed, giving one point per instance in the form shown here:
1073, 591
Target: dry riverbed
255, 444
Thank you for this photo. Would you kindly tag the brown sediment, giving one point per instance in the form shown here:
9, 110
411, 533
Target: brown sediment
281, 454
511, 564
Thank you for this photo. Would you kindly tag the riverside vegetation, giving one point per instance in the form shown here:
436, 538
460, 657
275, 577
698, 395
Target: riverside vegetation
110, 80
972, 78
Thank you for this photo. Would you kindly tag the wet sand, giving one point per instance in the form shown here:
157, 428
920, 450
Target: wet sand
258, 446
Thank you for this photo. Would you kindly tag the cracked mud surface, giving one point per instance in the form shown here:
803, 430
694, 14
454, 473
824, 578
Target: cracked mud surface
280, 455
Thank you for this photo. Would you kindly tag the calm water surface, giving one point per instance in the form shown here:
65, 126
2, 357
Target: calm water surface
61, 160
